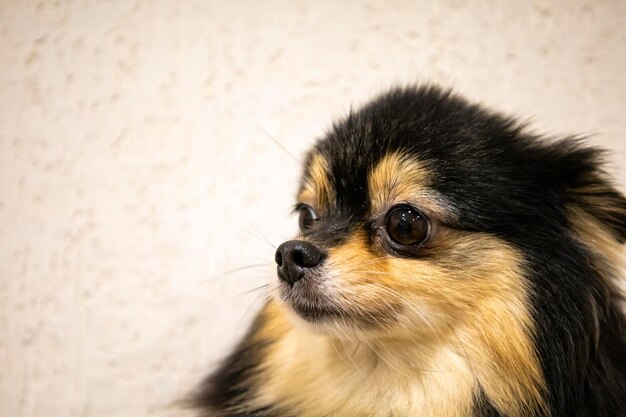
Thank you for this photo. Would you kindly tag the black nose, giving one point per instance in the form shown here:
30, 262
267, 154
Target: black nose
294, 258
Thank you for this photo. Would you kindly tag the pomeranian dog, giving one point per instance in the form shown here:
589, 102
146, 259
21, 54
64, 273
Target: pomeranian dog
449, 263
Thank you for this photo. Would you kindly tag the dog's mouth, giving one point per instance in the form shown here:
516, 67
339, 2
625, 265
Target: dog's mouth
317, 303
315, 314
310, 300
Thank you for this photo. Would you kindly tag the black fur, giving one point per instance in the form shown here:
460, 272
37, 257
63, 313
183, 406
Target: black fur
509, 183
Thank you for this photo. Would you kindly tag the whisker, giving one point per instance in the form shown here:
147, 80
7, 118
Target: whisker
414, 367
259, 288
280, 145
356, 348
345, 349
232, 271
335, 347
262, 236
469, 361
366, 263
385, 360
366, 271
408, 303
253, 303
278, 233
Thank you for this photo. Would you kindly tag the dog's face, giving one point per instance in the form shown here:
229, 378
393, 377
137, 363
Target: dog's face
421, 214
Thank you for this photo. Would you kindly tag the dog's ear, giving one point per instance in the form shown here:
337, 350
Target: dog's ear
588, 187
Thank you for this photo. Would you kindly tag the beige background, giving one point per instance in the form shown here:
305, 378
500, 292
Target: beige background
136, 164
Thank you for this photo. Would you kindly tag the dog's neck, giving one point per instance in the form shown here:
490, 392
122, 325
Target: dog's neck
362, 376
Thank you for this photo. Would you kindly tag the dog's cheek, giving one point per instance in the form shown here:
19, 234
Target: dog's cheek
361, 277
389, 288
478, 293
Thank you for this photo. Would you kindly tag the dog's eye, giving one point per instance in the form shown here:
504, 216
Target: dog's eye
406, 226
307, 216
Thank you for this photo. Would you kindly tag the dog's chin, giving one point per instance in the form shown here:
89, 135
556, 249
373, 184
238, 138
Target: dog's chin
309, 303
317, 315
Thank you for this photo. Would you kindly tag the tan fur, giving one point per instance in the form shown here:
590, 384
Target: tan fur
596, 197
400, 178
317, 190
420, 335
470, 299
326, 375
608, 254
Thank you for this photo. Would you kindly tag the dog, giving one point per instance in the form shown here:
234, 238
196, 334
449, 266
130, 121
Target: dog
449, 263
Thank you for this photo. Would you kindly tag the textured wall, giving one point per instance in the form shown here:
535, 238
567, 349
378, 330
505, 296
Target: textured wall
136, 164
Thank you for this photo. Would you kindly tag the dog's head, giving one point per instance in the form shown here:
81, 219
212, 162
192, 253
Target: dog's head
431, 222
422, 213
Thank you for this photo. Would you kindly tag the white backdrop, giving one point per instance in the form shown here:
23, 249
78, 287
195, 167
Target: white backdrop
137, 165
